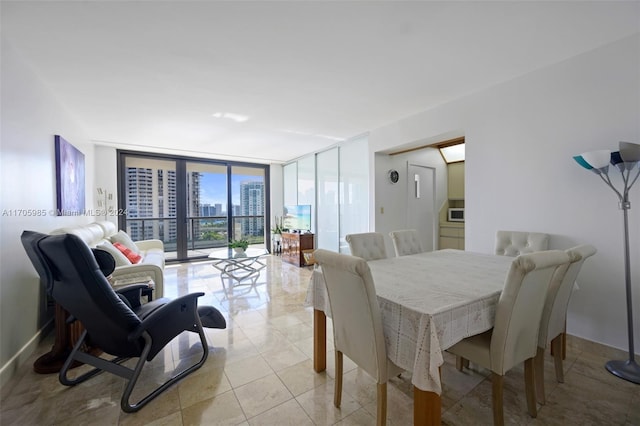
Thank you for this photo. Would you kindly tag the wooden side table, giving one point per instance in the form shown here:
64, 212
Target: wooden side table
148, 292
66, 337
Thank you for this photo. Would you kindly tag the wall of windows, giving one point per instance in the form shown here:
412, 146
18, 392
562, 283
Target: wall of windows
194, 206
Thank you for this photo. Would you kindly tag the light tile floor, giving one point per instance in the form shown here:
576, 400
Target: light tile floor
259, 372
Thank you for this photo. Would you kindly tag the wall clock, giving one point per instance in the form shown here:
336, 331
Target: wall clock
393, 176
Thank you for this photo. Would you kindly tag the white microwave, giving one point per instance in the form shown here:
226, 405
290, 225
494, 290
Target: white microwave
456, 214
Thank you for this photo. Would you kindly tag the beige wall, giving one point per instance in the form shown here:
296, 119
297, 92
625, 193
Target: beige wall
31, 116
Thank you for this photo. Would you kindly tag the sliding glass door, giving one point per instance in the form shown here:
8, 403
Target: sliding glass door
148, 193
207, 223
193, 206
249, 204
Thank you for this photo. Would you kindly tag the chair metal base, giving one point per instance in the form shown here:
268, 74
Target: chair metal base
628, 370
113, 366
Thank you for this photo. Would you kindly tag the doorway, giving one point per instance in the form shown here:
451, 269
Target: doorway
421, 202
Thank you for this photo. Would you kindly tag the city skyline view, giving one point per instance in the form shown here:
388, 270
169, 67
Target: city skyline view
213, 188
154, 192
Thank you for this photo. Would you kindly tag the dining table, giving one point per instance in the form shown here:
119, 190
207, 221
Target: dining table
428, 302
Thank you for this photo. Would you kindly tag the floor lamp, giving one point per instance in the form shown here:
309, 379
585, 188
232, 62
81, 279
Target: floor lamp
626, 160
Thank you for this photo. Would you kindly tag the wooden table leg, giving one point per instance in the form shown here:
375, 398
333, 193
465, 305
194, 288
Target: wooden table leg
319, 341
426, 408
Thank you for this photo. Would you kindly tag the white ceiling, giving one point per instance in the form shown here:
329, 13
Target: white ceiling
307, 74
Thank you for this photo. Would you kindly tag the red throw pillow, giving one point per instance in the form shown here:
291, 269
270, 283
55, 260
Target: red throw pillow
133, 257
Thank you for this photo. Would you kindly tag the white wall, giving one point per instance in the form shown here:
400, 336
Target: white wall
391, 199
106, 177
31, 116
520, 175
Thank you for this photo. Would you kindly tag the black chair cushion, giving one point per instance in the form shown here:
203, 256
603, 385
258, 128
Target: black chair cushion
81, 288
210, 317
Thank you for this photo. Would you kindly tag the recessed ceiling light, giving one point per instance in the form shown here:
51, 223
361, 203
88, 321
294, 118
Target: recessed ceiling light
238, 118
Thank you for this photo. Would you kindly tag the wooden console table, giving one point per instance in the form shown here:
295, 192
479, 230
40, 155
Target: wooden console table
297, 248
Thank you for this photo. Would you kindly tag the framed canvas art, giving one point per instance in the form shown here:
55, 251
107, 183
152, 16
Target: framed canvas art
69, 178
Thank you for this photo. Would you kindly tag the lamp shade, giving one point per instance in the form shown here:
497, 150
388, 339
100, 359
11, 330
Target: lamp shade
597, 159
582, 162
629, 152
616, 158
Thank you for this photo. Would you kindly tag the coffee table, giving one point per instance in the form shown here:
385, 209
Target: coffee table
238, 267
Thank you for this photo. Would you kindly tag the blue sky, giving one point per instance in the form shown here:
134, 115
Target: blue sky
213, 188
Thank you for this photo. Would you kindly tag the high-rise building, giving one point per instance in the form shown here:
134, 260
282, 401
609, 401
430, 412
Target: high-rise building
193, 208
151, 193
207, 210
252, 204
146, 190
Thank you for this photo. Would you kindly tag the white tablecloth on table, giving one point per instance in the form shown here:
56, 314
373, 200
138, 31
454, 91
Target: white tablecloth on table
429, 302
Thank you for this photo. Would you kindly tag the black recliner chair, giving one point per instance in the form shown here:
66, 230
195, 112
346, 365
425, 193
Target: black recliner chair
116, 322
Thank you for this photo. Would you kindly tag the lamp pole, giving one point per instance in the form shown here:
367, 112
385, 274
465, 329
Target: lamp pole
626, 160
629, 369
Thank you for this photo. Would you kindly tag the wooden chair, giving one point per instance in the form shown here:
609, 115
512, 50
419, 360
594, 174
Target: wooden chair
554, 317
514, 337
406, 241
367, 245
357, 324
515, 243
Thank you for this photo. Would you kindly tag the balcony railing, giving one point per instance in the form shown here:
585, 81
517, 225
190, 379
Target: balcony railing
205, 233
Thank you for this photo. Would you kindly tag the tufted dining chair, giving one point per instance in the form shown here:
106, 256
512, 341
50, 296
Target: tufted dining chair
554, 317
515, 243
357, 323
367, 245
406, 241
514, 337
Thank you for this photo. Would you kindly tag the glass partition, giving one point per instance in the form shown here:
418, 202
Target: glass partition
354, 191
328, 201
290, 178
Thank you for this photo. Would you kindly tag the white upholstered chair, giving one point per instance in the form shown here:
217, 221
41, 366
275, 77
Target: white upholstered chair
554, 317
406, 241
368, 245
357, 323
515, 243
514, 337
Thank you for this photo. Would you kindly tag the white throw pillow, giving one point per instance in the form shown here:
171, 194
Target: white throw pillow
124, 239
121, 259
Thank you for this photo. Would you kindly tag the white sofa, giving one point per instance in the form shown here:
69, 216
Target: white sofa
152, 252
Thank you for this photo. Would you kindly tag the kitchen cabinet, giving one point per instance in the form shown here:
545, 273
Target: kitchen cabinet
455, 181
451, 236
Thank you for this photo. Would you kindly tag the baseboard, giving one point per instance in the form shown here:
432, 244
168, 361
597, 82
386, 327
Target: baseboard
10, 368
